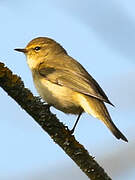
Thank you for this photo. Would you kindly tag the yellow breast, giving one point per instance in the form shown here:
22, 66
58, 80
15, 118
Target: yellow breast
60, 97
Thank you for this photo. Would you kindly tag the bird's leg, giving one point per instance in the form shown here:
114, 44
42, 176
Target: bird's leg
73, 129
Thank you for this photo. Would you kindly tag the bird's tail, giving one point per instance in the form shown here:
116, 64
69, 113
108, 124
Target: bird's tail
98, 109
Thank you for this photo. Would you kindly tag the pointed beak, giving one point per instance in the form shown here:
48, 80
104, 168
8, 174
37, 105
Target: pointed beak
21, 50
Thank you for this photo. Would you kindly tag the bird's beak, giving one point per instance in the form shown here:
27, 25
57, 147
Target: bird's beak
21, 50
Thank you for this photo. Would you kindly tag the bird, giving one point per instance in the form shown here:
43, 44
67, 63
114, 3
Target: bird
64, 83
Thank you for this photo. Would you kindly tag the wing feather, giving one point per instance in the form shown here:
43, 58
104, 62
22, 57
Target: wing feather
76, 78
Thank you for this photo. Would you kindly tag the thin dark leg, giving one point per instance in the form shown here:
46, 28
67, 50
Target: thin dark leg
72, 131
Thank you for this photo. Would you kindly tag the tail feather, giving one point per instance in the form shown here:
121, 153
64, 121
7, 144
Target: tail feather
116, 131
98, 109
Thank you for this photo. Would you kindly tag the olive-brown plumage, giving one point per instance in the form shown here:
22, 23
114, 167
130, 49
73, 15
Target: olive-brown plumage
64, 83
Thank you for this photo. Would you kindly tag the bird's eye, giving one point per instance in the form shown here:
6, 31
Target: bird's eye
37, 48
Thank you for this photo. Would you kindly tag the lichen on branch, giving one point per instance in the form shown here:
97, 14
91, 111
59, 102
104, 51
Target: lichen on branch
60, 134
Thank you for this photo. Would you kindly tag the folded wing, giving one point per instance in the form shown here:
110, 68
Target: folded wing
76, 78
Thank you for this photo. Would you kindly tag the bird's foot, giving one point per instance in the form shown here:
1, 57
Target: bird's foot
47, 106
71, 131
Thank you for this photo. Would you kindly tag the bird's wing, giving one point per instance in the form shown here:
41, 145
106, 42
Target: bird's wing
79, 81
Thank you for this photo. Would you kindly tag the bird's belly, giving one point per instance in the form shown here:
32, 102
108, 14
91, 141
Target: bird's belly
60, 97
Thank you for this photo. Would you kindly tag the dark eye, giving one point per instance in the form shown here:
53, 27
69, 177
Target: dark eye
37, 48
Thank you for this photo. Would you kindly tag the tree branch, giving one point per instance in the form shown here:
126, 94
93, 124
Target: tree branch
14, 86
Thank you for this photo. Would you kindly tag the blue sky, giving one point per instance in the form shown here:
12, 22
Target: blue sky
101, 37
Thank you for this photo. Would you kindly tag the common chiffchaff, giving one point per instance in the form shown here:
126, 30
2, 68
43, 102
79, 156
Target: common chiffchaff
64, 83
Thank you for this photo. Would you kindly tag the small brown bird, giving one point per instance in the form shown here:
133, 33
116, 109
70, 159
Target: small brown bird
64, 83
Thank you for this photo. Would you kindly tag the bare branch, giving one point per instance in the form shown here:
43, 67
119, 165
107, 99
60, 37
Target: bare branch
14, 86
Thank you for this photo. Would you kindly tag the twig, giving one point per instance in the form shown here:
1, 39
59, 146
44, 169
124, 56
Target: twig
14, 86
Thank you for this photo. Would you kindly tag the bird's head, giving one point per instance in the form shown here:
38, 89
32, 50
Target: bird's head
41, 49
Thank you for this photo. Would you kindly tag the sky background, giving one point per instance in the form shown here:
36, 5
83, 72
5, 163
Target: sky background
101, 36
